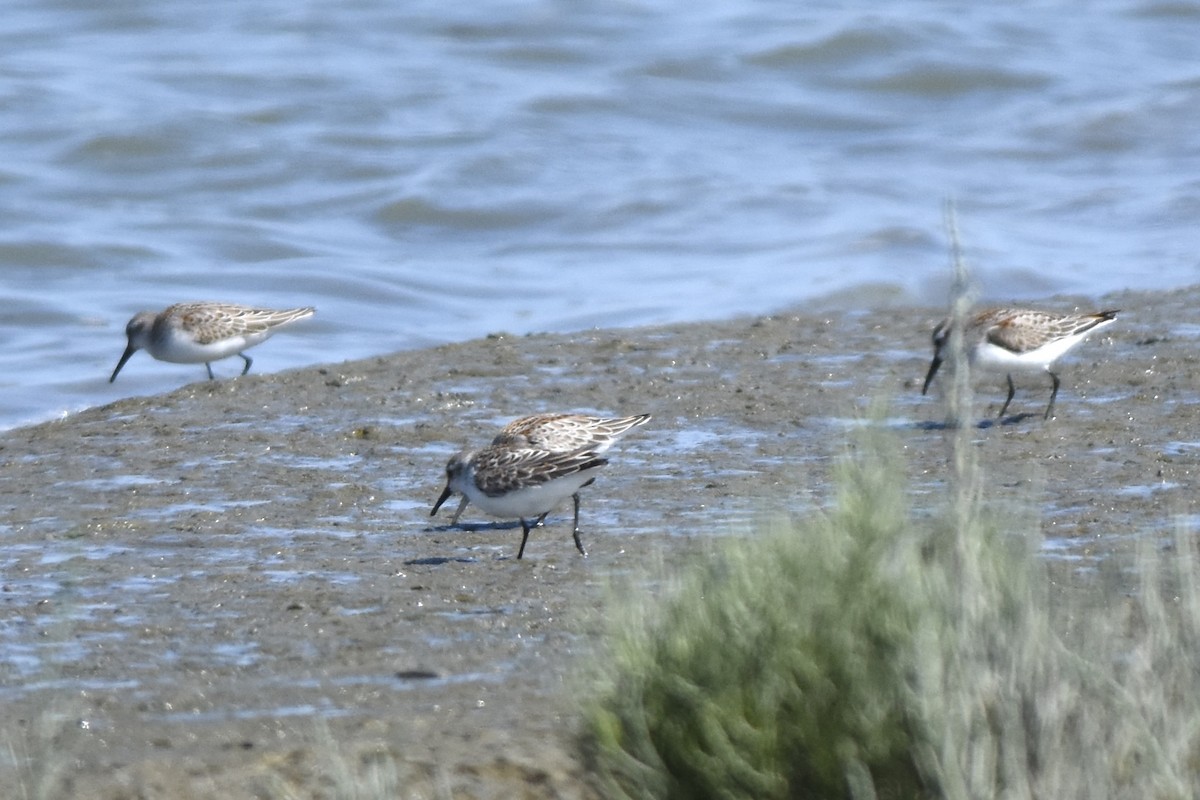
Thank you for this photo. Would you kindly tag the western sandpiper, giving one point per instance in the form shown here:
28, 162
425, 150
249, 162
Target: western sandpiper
195, 333
561, 433
1018, 340
532, 465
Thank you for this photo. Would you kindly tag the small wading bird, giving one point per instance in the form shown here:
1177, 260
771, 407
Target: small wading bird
561, 433
532, 465
200, 333
1017, 340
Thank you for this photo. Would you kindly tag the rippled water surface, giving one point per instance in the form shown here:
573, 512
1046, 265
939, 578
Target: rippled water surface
426, 172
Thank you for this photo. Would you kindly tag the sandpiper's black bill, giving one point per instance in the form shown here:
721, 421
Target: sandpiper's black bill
443, 498
933, 368
129, 351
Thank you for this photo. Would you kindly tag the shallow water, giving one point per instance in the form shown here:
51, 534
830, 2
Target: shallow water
426, 172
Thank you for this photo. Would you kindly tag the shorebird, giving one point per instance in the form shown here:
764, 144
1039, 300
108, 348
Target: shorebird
1018, 340
561, 433
195, 333
532, 465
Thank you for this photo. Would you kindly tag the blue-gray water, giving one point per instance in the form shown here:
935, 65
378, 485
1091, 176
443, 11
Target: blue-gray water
426, 171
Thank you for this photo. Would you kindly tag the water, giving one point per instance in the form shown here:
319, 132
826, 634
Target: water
429, 172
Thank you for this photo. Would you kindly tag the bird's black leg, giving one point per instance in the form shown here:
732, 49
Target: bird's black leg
575, 532
1053, 394
208, 367
1008, 399
245, 358
525, 526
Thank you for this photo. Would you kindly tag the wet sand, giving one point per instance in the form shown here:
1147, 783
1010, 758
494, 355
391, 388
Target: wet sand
191, 581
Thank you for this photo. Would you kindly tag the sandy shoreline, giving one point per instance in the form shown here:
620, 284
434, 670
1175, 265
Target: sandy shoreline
193, 578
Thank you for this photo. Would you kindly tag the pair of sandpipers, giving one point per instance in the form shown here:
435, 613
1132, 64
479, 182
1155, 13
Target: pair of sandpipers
535, 463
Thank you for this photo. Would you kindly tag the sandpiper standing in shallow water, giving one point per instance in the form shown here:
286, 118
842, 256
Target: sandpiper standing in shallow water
532, 465
200, 333
1018, 340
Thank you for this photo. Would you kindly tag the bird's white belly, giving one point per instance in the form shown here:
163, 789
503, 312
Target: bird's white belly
182, 349
532, 501
989, 356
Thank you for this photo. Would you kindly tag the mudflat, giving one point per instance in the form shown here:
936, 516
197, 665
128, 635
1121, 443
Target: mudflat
235, 590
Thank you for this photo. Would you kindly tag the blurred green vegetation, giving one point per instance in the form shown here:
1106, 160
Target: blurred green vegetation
872, 652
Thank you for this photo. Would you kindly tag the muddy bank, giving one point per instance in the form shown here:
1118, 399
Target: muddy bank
190, 580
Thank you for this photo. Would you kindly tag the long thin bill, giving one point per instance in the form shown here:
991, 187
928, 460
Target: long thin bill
445, 496
130, 350
933, 368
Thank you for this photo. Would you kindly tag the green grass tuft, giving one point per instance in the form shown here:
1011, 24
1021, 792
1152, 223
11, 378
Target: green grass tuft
781, 663
865, 654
